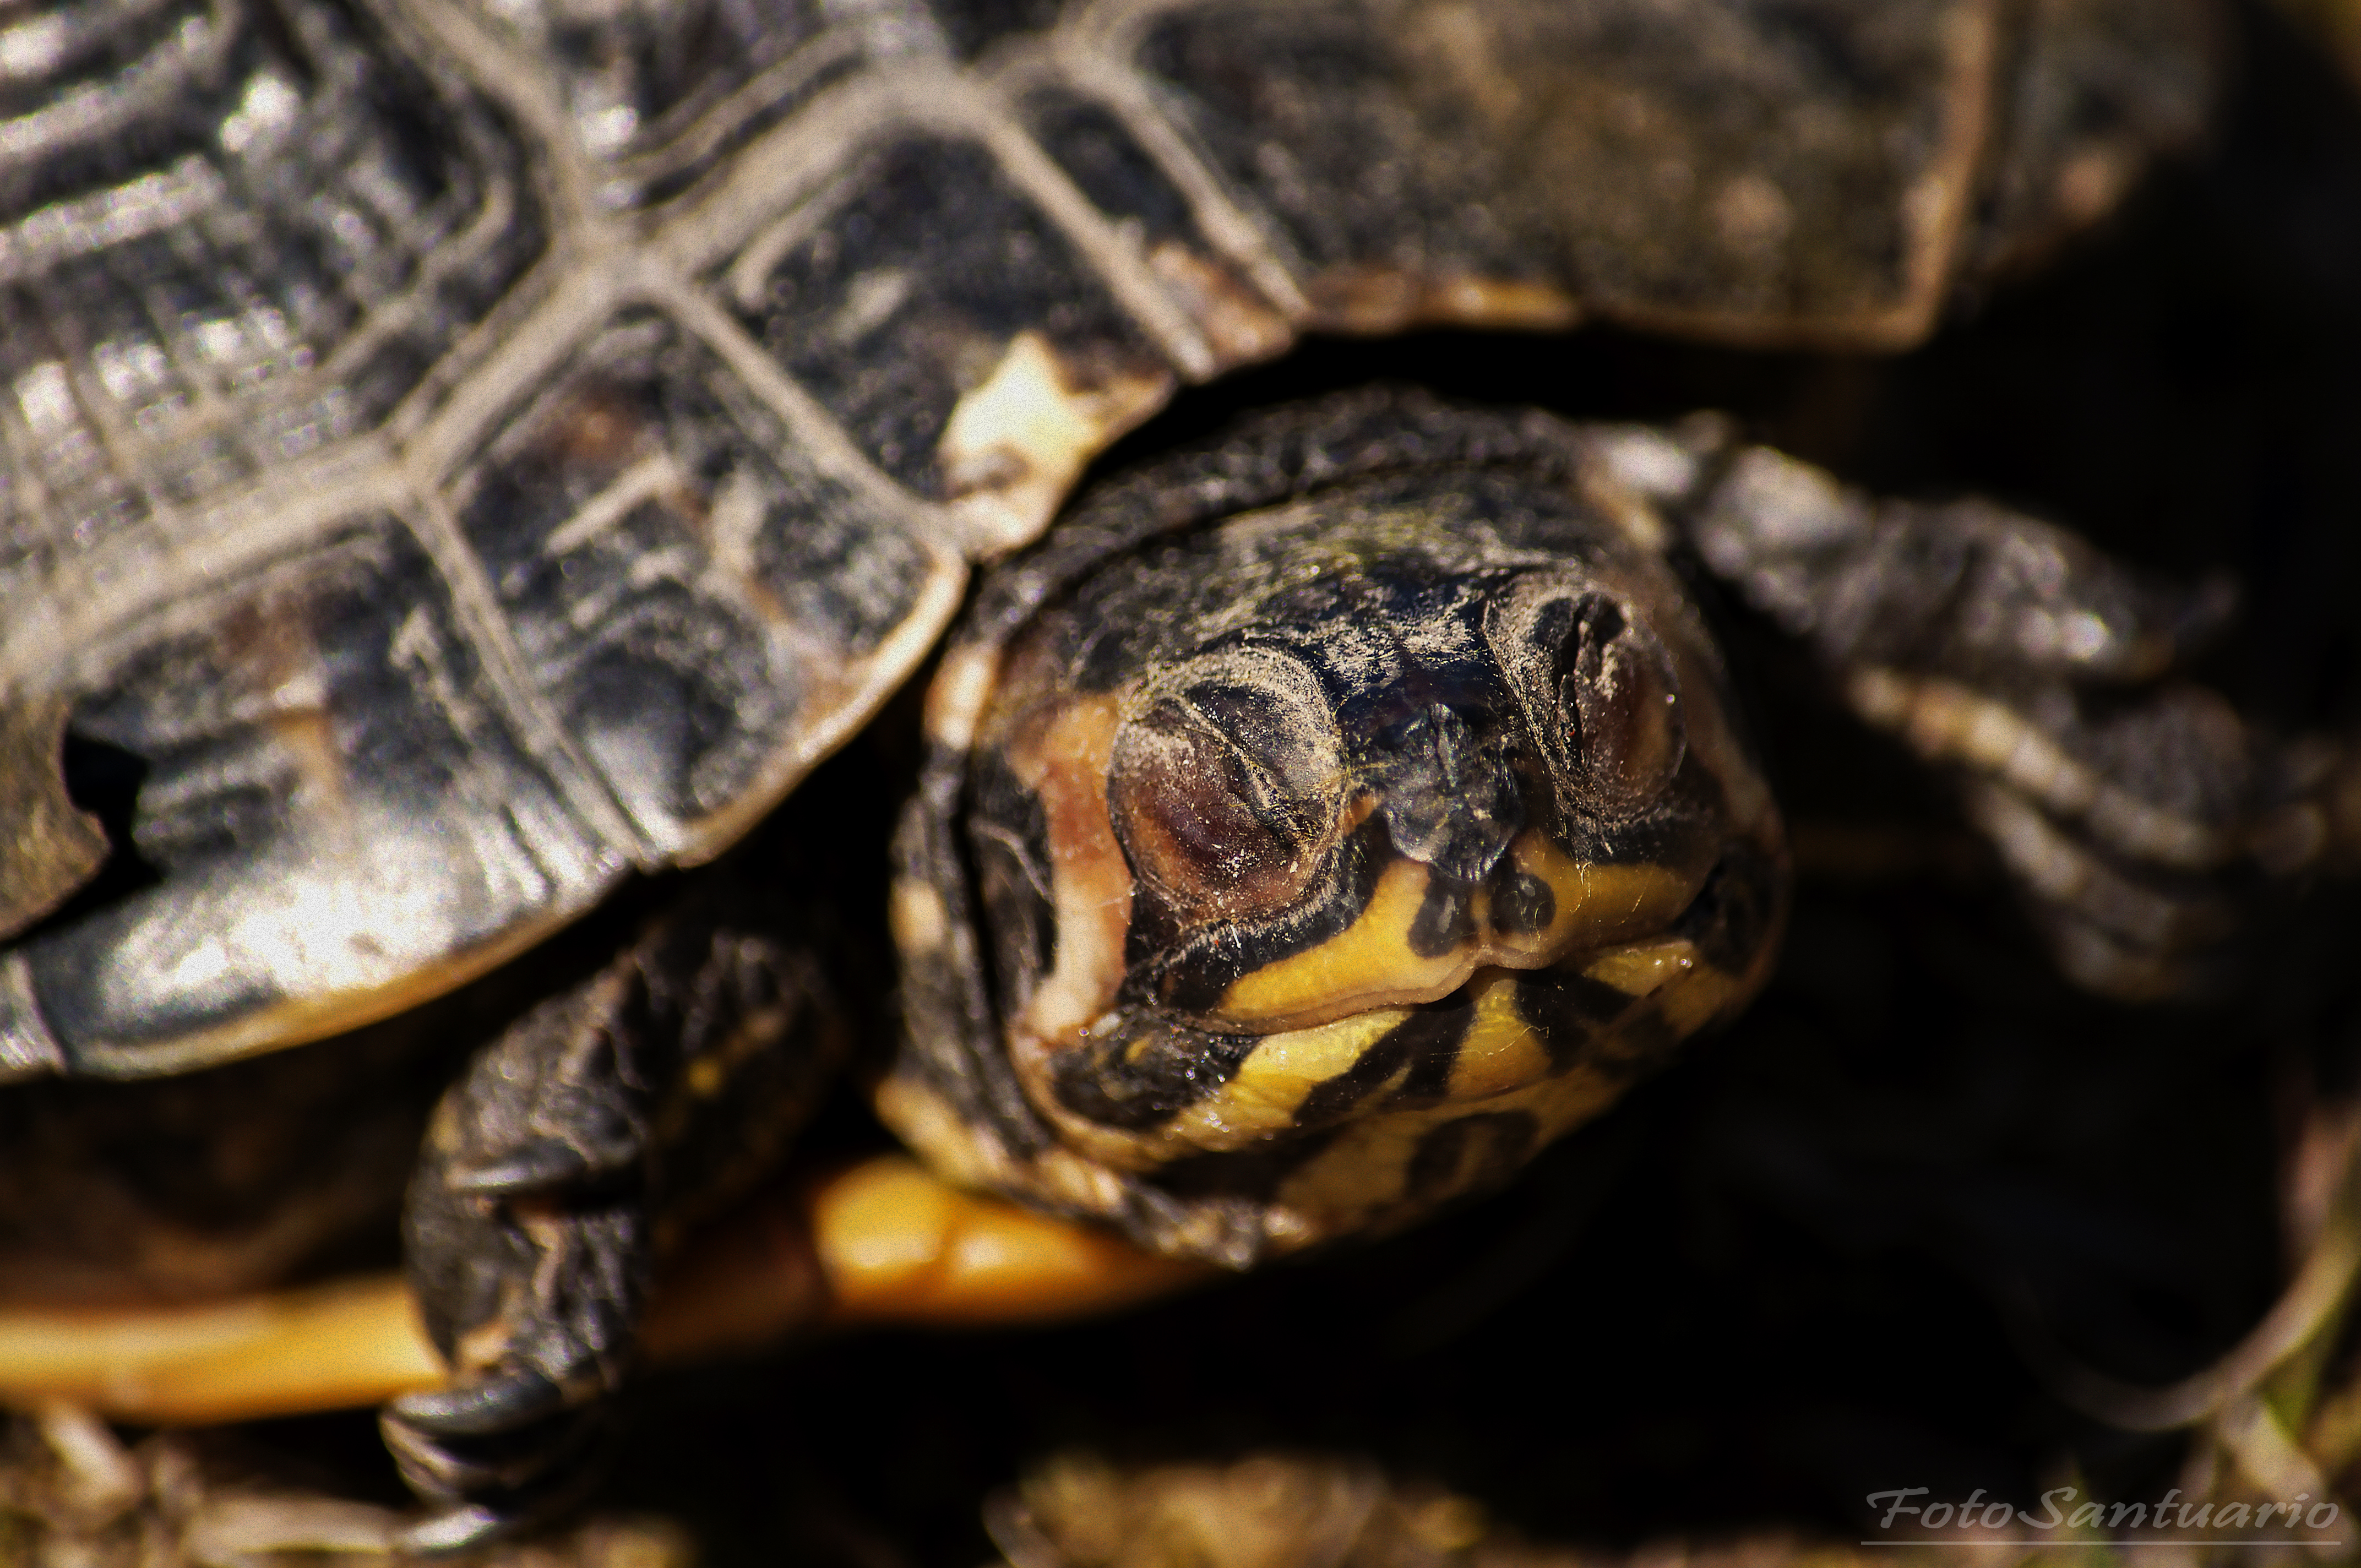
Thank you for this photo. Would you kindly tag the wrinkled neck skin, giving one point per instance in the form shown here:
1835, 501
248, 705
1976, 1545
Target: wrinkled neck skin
1337, 859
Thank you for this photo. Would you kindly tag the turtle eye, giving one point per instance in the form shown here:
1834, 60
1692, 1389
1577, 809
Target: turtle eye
1225, 791
1599, 689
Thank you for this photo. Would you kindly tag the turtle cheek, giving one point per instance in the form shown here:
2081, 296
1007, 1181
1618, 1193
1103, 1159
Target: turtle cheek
1206, 825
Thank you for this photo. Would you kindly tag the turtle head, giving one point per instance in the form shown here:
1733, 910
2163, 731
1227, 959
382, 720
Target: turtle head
1332, 859
1368, 813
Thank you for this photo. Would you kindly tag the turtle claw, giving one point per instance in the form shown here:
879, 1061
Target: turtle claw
500, 1403
2120, 800
450, 1530
541, 1167
537, 1313
484, 1486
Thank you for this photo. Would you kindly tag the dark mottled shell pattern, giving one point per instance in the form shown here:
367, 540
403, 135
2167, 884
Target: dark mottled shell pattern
456, 452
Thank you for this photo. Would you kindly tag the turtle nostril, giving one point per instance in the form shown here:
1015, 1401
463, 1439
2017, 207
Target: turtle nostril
1449, 794
1616, 704
1450, 733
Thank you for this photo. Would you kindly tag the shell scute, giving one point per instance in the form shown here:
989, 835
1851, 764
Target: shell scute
688, 590
336, 818
908, 295
304, 224
1738, 171
1215, 265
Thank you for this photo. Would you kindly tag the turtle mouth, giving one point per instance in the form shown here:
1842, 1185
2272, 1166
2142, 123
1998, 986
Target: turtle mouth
1424, 933
1144, 1088
1501, 1030
1413, 934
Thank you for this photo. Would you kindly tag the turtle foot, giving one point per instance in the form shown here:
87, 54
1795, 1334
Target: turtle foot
620, 1109
483, 1485
2129, 807
528, 1247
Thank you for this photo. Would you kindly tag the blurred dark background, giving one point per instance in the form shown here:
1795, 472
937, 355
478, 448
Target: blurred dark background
1773, 1281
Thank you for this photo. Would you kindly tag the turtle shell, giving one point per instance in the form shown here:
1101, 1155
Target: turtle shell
458, 454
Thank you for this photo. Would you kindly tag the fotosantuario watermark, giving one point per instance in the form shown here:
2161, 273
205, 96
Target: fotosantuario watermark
2063, 1509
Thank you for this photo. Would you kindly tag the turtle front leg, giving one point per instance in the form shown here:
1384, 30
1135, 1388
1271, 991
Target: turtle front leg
2129, 805
527, 1236
579, 1143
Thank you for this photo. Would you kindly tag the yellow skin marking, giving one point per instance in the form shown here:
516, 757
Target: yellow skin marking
881, 1242
1066, 765
1353, 1183
1260, 1100
1358, 1182
1367, 964
1686, 991
1643, 968
1370, 963
1501, 1052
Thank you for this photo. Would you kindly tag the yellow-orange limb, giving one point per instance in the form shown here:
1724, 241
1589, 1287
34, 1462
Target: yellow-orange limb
353, 1343
881, 1242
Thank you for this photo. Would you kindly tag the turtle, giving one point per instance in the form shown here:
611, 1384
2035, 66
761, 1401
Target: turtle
465, 458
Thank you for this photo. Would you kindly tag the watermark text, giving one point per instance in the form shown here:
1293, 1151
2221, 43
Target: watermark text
1915, 1512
